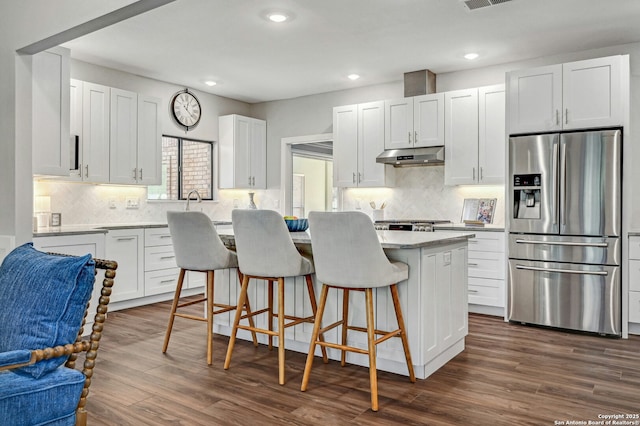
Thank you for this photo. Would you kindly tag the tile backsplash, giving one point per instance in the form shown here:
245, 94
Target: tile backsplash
420, 193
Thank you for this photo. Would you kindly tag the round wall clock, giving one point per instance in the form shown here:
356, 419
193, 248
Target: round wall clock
185, 109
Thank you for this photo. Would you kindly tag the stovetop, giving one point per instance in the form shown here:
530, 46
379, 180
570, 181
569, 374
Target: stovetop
424, 225
414, 221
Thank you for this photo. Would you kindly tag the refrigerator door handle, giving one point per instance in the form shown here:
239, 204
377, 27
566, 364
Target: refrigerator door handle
562, 243
554, 183
562, 271
563, 185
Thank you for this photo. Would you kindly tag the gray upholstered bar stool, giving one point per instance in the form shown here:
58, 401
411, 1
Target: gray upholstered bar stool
348, 256
265, 251
198, 247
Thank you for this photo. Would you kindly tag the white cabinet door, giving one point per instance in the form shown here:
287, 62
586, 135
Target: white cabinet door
428, 120
258, 153
345, 146
398, 123
370, 144
149, 147
591, 93
535, 99
492, 144
461, 140
50, 112
95, 133
242, 151
123, 136
126, 246
75, 129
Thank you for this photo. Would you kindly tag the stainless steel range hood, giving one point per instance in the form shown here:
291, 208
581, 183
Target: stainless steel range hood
429, 156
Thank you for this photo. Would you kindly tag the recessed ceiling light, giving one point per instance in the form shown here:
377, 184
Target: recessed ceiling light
471, 56
278, 16
353, 76
210, 83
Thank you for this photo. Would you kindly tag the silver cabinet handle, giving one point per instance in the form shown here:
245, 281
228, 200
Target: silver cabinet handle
481, 174
165, 236
359, 177
125, 239
249, 180
561, 271
167, 281
141, 173
86, 171
557, 117
472, 291
415, 136
563, 243
474, 173
472, 264
354, 177
253, 181
135, 174
166, 257
566, 116
409, 137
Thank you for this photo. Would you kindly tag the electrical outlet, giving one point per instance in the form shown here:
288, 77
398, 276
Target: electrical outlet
112, 203
132, 202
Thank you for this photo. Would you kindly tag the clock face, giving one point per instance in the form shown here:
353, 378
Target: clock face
186, 109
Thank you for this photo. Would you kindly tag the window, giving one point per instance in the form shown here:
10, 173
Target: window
187, 164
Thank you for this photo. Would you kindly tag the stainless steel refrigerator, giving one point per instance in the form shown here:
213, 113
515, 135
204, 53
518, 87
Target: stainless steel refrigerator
564, 230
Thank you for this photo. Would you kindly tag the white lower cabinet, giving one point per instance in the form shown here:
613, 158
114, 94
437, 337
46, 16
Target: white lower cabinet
126, 246
634, 279
79, 245
487, 271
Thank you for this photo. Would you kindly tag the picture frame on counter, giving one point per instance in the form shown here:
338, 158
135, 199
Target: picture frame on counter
478, 210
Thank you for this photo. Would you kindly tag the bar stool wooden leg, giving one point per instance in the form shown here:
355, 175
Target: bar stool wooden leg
314, 310
281, 353
314, 338
345, 324
174, 306
210, 278
373, 374
232, 339
403, 331
248, 309
270, 313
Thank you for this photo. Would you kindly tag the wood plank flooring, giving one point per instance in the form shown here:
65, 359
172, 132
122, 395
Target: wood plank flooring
508, 375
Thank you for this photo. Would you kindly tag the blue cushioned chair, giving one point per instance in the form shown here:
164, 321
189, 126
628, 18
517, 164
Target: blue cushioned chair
44, 300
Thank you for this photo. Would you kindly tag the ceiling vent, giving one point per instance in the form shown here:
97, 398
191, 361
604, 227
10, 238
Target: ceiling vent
478, 4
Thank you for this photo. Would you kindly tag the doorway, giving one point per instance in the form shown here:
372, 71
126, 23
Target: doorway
307, 175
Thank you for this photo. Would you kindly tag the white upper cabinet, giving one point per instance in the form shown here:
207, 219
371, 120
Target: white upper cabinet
461, 140
492, 135
242, 150
414, 122
475, 136
89, 128
149, 148
574, 95
123, 137
50, 112
135, 136
358, 138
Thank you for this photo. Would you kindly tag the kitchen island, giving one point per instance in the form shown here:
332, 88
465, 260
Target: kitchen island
433, 299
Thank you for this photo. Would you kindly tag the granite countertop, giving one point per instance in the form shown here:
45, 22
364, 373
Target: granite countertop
103, 228
388, 239
470, 228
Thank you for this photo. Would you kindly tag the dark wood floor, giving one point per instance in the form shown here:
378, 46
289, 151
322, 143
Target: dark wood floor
507, 375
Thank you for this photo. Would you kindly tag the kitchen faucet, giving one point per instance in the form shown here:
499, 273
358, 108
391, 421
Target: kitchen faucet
189, 198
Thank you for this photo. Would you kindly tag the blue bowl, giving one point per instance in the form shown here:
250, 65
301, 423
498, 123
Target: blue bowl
297, 225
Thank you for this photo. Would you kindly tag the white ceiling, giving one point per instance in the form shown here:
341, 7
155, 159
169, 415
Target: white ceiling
190, 41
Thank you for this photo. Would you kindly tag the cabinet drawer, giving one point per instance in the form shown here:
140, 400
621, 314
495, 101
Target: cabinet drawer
634, 247
488, 295
163, 281
486, 265
487, 241
161, 257
157, 237
634, 275
634, 306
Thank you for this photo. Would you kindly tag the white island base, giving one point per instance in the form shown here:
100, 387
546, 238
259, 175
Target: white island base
433, 299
